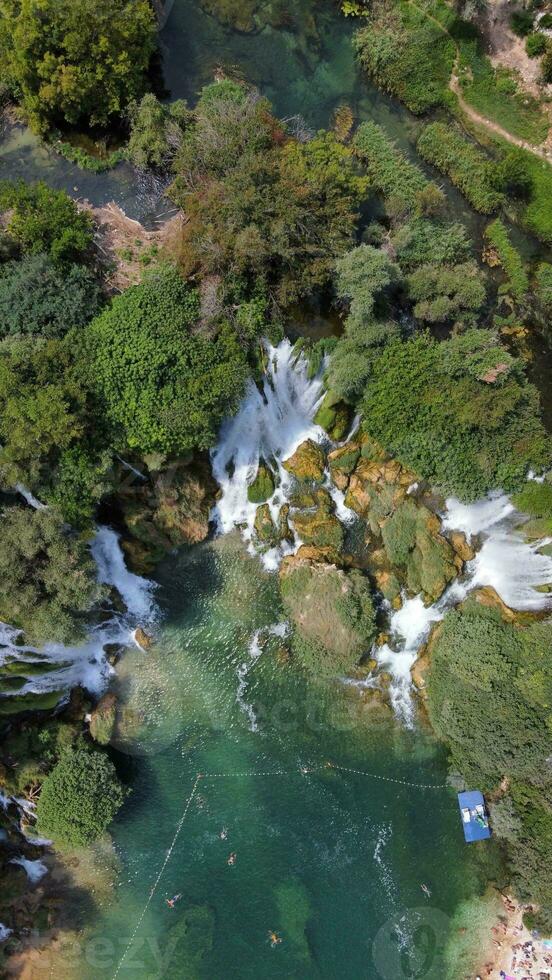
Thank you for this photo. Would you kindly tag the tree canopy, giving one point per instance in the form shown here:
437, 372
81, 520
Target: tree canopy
46, 221
164, 383
77, 63
47, 576
38, 298
80, 797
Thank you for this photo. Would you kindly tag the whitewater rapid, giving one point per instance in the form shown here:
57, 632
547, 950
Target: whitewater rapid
85, 664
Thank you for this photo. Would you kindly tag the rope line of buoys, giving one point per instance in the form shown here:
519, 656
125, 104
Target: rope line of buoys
302, 770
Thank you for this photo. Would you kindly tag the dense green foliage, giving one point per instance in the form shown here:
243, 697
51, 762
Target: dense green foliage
459, 412
490, 688
516, 283
423, 241
467, 166
165, 386
399, 181
77, 63
155, 131
80, 797
47, 577
442, 293
535, 44
406, 54
45, 221
36, 297
261, 206
543, 294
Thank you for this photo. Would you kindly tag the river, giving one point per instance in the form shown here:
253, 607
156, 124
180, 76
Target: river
331, 860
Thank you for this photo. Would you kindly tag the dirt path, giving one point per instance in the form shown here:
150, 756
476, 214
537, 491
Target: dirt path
470, 112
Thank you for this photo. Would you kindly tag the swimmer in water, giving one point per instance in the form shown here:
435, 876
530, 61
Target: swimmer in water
171, 902
274, 938
232, 858
224, 833
426, 890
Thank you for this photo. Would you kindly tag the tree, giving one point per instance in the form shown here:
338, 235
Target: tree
77, 63
459, 412
47, 576
45, 221
442, 293
363, 275
38, 298
165, 387
262, 207
80, 797
156, 131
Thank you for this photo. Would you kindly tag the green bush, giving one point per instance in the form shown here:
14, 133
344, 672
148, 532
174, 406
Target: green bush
545, 22
77, 63
156, 131
46, 221
165, 387
489, 696
47, 576
421, 241
521, 22
79, 798
467, 166
407, 55
535, 44
459, 412
38, 298
390, 173
517, 282
442, 293
535, 499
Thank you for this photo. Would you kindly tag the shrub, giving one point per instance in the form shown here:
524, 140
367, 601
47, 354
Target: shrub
467, 166
421, 241
517, 283
521, 22
390, 173
47, 221
156, 131
535, 44
47, 576
79, 798
77, 63
406, 54
442, 292
489, 689
459, 412
37, 298
165, 388
363, 276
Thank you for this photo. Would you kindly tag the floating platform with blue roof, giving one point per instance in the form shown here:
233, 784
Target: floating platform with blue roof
473, 812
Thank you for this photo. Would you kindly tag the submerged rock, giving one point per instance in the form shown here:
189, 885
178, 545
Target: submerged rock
102, 719
307, 462
332, 613
143, 639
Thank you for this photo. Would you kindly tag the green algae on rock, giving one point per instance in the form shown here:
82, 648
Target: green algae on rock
307, 462
332, 614
319, 526
334, 416
263, 485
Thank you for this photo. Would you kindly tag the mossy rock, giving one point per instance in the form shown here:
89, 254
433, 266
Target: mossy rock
319, 527
103, 718
332, 614
415, 547
18, 703
284, 531
265, 529
263, 485
307, 462
334, 416
342, 462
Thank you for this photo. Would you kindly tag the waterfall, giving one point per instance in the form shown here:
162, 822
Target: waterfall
270, 424
85, 664
514, 567
35, 869
5, 933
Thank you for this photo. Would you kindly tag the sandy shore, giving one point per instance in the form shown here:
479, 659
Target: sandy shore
513, 950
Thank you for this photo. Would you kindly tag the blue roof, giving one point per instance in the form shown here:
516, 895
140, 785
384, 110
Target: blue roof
475, 822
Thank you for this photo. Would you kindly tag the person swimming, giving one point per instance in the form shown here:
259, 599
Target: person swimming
171, 902
274, 938
425, 890
224, 833
232, 858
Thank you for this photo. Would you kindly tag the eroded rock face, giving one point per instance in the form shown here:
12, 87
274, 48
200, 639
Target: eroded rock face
307, 462
342, 462
170, 509
332, 614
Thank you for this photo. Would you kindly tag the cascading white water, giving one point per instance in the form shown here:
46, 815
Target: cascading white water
270, 424
85, 664
35, 870
513, 566
5, 933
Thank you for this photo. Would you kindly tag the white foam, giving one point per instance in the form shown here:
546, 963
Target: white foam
135, 590
5, 933
35, 870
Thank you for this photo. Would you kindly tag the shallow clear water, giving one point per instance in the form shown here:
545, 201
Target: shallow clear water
331, 861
